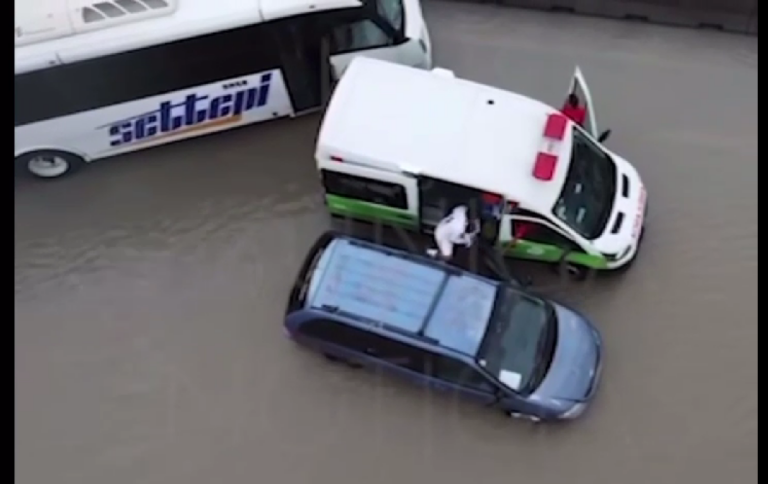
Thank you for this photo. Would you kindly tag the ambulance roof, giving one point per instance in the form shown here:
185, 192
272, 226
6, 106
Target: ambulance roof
390, 116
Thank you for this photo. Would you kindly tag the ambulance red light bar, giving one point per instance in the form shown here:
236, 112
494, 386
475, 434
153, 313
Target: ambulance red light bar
544, 169
337, 158
555, 127
546, 159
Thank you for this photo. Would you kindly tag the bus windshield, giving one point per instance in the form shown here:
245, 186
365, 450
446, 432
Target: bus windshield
587, 198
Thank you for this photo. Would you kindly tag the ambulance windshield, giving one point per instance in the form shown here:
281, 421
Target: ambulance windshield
586, 201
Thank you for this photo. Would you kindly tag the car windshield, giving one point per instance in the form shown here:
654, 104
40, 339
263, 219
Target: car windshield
587, 198
518, 345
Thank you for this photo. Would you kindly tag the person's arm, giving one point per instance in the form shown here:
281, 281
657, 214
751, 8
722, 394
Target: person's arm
460, 238
468, 238
464, 239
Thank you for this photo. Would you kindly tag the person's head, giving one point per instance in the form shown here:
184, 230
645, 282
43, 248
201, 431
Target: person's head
573, 100
460, 210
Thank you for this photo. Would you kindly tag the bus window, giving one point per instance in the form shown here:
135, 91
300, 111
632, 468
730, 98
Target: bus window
129, 76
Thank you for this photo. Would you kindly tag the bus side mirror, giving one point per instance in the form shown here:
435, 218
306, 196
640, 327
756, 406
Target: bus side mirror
604, 136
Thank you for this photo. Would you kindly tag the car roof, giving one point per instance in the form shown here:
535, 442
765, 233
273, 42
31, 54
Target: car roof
390, 290
429, 122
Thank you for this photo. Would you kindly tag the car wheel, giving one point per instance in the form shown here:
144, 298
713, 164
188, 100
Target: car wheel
523, 416
336, 359
48, 164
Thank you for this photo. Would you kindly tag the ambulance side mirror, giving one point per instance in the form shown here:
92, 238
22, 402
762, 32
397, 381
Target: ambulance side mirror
604, 136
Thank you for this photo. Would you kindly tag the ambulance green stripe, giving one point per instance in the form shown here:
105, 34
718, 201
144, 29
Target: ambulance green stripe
356, 209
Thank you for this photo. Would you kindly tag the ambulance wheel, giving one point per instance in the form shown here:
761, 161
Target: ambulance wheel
631, 262
48, 164
573, 271
625, 268
576, 272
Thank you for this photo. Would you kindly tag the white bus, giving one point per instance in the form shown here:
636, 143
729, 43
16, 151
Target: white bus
98, 78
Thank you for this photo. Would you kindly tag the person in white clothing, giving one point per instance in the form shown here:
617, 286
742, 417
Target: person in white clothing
453, 230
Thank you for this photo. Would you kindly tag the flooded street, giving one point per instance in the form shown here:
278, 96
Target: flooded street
149, 292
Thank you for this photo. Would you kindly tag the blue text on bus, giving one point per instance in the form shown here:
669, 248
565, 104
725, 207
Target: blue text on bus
193, 111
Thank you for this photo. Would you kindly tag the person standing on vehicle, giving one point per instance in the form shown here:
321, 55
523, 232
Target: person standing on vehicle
453, 230
572, 110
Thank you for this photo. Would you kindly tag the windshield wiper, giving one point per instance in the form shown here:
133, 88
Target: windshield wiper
541, 362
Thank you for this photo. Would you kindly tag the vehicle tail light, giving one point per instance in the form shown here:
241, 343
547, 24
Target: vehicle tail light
337, 159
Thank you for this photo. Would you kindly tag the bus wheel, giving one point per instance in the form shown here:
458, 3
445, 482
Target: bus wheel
48, 164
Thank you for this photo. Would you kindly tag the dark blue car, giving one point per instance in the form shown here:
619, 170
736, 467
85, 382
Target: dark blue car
493, 342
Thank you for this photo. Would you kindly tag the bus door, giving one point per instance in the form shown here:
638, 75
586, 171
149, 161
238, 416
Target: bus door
305, 63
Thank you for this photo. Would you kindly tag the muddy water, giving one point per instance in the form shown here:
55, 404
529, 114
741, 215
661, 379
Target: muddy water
149, 292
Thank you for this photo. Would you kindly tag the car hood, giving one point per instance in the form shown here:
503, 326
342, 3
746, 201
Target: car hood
575, 360
623, 226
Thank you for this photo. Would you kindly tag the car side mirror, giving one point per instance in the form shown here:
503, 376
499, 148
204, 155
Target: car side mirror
604, 136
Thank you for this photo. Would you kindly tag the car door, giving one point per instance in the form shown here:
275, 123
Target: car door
403, 360
542, 241
580, 89
455, 376
340, 340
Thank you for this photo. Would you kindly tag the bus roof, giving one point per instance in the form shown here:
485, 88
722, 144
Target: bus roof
394, 117
379, 285
48, 32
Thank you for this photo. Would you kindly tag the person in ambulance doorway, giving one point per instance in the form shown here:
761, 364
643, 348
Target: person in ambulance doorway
474, 234
476, 237
573, 110
454, 229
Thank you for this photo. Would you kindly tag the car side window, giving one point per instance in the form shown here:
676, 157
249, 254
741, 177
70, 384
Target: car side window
403, 355
459, 373
537, 232
366, 342
340, 334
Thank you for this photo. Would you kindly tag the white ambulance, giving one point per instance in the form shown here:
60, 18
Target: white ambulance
404, 146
